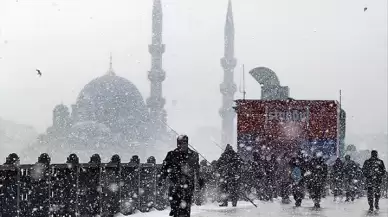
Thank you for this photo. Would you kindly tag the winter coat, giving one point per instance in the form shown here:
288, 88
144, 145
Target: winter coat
182, 168
205, 174
350, 170
284, 171
272, 167
374, 171
318, 172
229, 165
337, 172
259, 167
298, 162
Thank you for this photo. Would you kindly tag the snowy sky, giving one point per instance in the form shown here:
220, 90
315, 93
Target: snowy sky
316, 48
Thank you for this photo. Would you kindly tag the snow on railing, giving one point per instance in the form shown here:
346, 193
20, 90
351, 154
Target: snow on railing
80, 189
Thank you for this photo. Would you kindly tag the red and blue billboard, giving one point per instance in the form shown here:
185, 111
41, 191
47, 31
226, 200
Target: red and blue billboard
280, 126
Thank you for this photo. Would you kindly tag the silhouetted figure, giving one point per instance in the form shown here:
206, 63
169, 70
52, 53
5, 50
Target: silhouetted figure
205, 176
248, 177
298, 180
212, 182
374, 171
271, 178
181, 166
337, 178
229, 167
361, 182
318, 170
285, 181
258, 167
350, 178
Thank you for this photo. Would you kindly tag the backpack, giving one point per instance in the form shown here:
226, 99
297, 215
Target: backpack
296, 174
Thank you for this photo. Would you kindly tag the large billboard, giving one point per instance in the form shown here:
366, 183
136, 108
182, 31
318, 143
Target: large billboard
287, 125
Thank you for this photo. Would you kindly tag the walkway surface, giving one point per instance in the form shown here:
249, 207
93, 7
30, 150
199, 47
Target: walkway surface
276, 209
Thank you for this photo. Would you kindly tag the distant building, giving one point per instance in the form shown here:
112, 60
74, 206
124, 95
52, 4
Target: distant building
110, 112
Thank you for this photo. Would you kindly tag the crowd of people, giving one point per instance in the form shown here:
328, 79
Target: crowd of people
296, 175
230, 178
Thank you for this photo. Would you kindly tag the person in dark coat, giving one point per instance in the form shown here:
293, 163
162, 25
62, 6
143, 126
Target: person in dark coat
285, 169
318, 176
181, 166
360, 182
205, 176
229, 168
350, 178
212, 183
271, 178
337, 178
374, 171
297, 177
259, 171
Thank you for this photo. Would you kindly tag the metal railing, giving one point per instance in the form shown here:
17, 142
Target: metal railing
80, 189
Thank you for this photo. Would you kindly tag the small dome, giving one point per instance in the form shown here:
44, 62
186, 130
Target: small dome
115, 102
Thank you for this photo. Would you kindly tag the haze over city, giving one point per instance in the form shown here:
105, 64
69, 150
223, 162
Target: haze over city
315, 47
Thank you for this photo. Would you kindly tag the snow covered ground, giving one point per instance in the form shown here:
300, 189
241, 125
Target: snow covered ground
276, 209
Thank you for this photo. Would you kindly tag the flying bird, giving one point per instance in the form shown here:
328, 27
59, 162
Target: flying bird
365, 9
39, 72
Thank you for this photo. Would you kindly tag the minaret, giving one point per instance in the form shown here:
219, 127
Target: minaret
110, 70
228, 87
156, 75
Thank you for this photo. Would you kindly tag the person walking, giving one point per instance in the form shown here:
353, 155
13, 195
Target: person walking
181, 166
374, 171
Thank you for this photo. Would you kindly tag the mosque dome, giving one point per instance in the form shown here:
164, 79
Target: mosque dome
115, 102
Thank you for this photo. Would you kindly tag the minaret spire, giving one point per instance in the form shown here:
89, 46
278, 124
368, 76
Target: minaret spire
110, 70
229, 33
228, 87
157, 75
